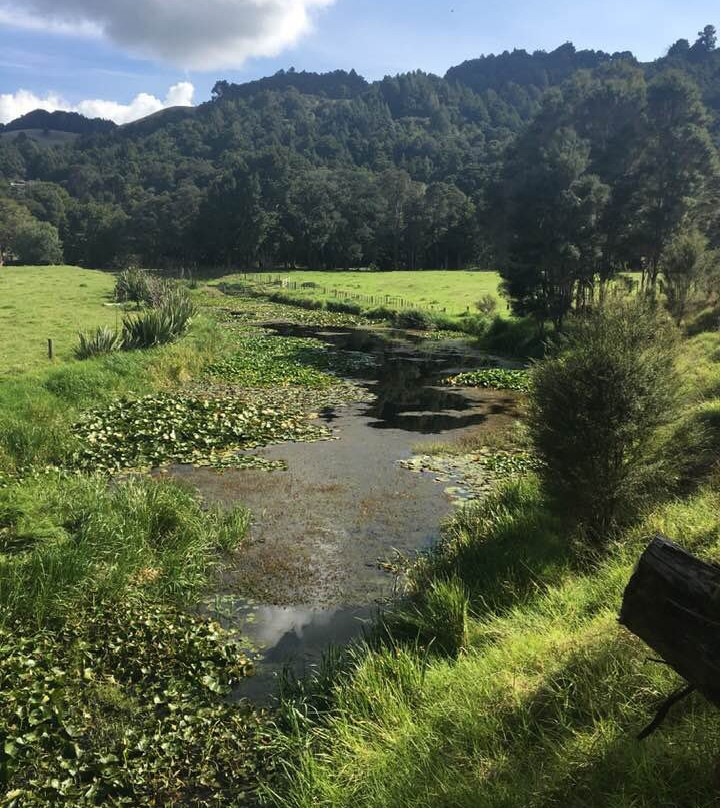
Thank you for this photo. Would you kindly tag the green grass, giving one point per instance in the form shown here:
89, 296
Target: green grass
41, 303
540, 707
38, 408
439, 290
67, 541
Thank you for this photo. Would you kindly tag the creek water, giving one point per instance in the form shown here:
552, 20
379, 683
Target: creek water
310, 576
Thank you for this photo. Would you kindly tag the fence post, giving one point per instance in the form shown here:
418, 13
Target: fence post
51, 349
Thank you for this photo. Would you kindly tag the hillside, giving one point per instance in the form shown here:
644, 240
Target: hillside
59, 121
329, 170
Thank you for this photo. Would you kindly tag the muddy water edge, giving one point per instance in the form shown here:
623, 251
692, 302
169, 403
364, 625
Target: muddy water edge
312, 573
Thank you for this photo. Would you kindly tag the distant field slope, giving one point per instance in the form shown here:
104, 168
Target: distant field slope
41, 303
433, 289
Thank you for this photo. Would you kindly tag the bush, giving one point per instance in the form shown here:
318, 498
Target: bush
514, 337
343, 307
132, 286
596, 408
381, 313
39, 243
161, 325
475, 324
487, 305
416, 319
104, 341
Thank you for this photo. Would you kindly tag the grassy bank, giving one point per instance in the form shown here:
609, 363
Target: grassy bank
113, 693
507, 680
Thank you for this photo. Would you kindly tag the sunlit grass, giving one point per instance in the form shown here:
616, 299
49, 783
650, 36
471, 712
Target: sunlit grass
41, 303
455, 292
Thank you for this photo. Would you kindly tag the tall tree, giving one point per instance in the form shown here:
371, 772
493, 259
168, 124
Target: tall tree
682, 265
676, 166
553, 212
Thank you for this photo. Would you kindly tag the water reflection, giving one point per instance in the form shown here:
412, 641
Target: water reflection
406, 377
292, 637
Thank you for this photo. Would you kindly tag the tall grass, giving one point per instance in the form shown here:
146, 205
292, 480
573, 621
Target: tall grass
103, 341
67, 540
540, 708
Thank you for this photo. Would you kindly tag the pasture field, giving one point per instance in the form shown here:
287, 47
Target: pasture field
453, 291
41, 303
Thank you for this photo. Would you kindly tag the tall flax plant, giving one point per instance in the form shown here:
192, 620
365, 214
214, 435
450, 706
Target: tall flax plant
157, 326
596, 409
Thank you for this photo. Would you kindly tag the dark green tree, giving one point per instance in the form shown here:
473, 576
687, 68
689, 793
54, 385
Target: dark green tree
597, 405
38, 243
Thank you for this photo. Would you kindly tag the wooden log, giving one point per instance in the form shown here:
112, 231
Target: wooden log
673, 603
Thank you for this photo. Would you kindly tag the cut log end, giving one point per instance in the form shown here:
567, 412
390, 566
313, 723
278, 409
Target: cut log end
672, 602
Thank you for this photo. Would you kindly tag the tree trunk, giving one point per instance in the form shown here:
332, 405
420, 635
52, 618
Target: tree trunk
673, 603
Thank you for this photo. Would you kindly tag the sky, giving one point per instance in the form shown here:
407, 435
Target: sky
123, 59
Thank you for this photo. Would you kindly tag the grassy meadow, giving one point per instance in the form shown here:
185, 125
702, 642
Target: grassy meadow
41, 303
451, 292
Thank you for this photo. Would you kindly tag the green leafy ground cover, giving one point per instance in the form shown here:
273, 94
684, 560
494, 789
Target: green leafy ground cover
111, 710
492, 378
155, 430
260, 361
247, 310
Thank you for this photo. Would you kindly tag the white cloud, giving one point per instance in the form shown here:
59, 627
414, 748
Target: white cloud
205, 35
13, 105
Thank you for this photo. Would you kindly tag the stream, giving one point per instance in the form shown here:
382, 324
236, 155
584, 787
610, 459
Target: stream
310, 575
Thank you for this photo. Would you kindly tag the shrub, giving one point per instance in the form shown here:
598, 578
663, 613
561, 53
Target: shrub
414, 318
487, 305
445, 322
132, 286
381, 313
39, 243
684, 261
343, 307
161, 290
104, 341
596, 408
161, 325
514, 337
475, 324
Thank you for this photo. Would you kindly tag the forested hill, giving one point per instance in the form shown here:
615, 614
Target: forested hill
329, 170
59, 121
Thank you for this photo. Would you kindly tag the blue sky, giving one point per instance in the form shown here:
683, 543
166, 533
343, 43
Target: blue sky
121, 53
